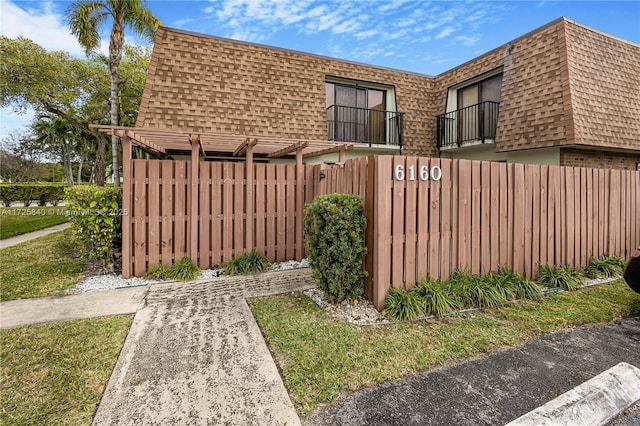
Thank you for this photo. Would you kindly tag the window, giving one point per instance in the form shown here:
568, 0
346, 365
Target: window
472, 111
360, 112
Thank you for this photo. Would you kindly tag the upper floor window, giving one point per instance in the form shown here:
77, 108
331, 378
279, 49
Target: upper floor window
485, 90
472, 112
361, 112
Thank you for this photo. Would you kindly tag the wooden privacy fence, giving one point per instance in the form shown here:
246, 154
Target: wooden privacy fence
222, 210
430, 216
425, 216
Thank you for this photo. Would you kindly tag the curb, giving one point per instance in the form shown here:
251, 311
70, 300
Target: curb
595, 402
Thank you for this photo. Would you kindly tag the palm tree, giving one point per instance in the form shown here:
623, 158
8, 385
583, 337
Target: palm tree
85, 20
60, 137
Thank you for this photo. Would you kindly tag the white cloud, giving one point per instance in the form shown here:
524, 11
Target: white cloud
446, 31
43, 24
349, 26
392, 5
476, 16
467, 40
365, 34
407, 23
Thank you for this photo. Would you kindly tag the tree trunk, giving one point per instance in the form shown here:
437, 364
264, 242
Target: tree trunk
79, 180
102, 142
115, 56
101, 160
66, 162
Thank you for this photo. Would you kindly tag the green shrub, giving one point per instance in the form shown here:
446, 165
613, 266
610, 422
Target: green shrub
248, 263
558, 277
158, 272
334, 226
184, 270
607, 266
95, 217
28, 193
438, 298
616, 260
476, 292
403, 304
520, 287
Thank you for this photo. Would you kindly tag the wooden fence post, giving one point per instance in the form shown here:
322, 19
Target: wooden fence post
126, 205
299, 231
193, 184
369, 233
250, 214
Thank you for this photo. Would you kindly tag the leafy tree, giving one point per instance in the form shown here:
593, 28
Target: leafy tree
65, 139
55, 83
20, 159
86, 17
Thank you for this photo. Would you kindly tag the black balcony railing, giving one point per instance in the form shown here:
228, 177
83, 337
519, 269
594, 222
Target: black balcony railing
473, 124
372, 126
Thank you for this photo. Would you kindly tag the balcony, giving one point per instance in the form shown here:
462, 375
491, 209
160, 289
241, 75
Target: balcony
475, 124
371, 126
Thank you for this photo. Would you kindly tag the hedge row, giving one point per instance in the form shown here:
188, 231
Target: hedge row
31, 193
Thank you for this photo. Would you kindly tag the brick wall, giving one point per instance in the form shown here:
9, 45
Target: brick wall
209, 84
598, 159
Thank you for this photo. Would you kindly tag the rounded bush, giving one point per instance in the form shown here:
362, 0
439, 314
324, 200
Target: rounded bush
334, 225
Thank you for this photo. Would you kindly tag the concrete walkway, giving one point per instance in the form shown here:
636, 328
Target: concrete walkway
195, 355
9, 242
16, 313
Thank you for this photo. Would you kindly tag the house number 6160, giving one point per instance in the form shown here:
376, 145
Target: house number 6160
423, 173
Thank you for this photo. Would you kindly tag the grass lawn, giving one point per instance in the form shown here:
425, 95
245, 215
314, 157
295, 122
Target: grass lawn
38, 268
56, 373
321, 357
20, 220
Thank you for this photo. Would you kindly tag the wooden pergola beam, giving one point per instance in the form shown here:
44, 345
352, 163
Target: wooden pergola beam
339, 148
288, 150
194, 138
137, 140
242, 148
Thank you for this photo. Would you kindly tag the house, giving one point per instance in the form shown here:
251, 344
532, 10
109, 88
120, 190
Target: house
563, 94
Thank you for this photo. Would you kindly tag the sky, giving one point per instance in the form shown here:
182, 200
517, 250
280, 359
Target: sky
427, 37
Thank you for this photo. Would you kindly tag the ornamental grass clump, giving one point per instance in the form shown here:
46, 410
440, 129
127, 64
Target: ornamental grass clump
184, 270
475, 292
438, 298
520, 287
403, 305
158, 272
561, 277
246, 264
334, 226
607, 266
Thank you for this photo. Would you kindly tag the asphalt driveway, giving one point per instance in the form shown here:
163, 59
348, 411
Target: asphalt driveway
495, 389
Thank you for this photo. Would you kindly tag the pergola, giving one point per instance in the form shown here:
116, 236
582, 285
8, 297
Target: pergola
172, 142
169, 141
